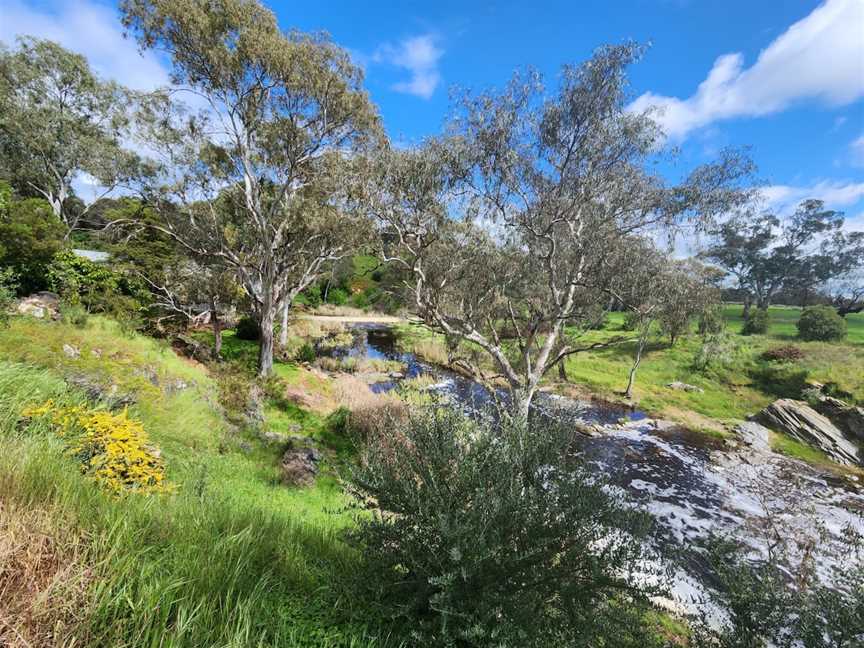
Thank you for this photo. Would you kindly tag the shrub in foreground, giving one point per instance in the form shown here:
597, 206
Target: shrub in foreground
763, 608
757, 322
821, 324
492, 535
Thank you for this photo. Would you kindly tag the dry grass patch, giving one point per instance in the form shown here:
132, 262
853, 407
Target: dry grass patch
44, 576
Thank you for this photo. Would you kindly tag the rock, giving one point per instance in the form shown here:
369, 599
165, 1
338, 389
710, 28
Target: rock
802, 422
275, 438
95, 391
192, 348
42, 305
685, 387
849, 418
149, 373
70, 351
299, 465
754, 436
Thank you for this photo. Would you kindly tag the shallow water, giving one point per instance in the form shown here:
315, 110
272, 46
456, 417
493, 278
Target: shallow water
694, 486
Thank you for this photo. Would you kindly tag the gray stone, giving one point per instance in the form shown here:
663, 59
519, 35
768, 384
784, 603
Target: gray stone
849, 418
71, 351
299, 465
802, 422
41, 305
680, 386
754, 436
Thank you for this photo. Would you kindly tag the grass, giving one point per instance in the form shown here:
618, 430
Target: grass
230, 558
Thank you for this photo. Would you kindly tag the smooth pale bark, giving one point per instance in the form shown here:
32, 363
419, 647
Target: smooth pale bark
283, 331
217, 328
265, 347
631, 380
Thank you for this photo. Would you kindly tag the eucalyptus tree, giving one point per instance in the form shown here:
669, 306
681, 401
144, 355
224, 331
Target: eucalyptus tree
513, 225
60, 122
257, 180
765, 253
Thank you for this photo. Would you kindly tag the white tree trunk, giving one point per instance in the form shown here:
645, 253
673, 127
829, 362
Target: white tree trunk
283, 331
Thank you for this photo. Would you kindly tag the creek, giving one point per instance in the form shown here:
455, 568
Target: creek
692, 484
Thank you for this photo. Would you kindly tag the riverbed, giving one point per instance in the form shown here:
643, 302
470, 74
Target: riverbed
693, 485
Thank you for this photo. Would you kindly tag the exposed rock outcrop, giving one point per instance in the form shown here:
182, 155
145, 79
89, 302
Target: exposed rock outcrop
754, 436
849, 418
44, 305
680, 386
300, 464
800, 421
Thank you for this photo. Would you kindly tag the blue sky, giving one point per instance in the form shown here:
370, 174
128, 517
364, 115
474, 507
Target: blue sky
785, 77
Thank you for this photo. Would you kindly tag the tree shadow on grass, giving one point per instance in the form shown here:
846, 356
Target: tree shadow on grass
781, 381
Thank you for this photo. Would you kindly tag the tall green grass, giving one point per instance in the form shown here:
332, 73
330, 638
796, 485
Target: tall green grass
231, 558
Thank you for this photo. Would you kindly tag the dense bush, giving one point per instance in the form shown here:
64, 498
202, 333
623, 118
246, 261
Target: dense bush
30, 236
73, 314
306, 353
821, 323
717, 351
757, 322
81, 281
8, 285
495, 536
247, 329
112, 448
711, 320
337, 296
787, 353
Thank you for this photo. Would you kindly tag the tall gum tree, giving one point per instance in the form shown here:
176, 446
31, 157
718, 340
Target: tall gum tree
513, 225
59, 121
257, 180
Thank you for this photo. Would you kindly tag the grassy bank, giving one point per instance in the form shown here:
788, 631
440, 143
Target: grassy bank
230, 557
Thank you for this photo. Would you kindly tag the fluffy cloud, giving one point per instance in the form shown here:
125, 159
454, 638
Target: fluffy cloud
89, 28
783, 199
419, 55
821, 57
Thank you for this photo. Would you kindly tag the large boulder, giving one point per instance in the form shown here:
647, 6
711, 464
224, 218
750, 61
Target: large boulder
299, 465
802, 422
849, 418
44, 305
754, 436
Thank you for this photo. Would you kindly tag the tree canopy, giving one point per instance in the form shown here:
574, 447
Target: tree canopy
257, 180
60, 122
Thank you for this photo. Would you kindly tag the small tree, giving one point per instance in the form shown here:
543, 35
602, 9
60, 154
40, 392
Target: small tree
258, 183
847, 292
58, 120
756, 323
691, 293
821, 323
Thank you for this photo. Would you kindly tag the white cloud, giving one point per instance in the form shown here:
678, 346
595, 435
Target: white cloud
821, 57
419, 55
89, 28
783, 199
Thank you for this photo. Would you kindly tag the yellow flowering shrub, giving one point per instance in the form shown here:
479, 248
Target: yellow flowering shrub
112, 448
